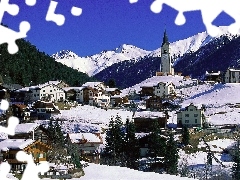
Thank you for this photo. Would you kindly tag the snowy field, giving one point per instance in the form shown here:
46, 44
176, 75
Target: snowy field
103, 172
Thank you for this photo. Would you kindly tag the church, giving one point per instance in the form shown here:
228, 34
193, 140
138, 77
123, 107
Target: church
166, 66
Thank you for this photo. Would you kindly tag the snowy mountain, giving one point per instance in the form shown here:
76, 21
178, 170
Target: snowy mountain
193, 56
129, 64
96, 63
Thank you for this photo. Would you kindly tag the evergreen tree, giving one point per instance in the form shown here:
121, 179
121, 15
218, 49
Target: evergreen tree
171, 157
236, 165
157, 143
185, 136
131, 145
115, 141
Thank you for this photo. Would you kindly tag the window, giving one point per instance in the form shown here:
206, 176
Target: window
50, 90
195, 120
191, 109
186, 121
43, 90
186, 115
195, 115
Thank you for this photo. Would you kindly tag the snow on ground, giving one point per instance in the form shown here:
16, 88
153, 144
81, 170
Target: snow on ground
89, 118
177, 81
217, 99
103, 172
218, 145
218, 94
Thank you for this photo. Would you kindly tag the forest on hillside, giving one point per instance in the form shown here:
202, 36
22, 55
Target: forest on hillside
30, 66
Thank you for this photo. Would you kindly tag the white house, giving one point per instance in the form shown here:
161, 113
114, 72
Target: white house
46, 91
232, 76
191, 116
164, 89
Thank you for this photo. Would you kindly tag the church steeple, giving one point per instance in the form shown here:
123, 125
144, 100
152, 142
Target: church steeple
165, 38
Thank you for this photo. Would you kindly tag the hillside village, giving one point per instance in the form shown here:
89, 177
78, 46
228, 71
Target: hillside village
207, 109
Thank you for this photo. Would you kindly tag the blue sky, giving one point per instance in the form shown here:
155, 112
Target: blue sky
104, 25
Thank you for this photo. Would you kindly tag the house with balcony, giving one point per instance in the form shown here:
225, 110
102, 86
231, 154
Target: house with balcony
191, 116
10, 147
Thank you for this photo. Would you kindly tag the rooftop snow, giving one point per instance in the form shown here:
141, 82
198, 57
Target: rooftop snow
26, 127
90, 137
15, 144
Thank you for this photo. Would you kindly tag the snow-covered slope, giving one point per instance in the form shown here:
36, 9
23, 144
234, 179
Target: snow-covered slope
96, 63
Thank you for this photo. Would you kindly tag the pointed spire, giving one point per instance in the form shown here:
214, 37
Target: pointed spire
165, 38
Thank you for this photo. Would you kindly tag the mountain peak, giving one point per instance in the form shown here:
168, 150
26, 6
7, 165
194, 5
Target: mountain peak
65, 54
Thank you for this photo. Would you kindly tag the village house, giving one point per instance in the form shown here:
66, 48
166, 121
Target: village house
213, 76
146, 90
118, 100
47, 92
10, 147
112, 91
20, 111
153, 103
164, 89
144, 120
88, 144
232, 76
33, 131
45, 109
191, 116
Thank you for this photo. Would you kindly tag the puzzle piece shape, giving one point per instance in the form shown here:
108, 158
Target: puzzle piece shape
76, 11
12, 9
59, 19
210, 10
4, 170
9, 36
32, 170
12, 121
133, 1
4, 105
30, 2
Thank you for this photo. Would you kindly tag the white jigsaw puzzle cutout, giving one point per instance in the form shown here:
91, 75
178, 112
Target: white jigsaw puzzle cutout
4, 170
12, 123
59, 19
32, 170
210, 10
7, 35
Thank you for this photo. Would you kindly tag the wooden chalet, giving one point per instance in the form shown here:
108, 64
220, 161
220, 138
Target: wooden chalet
10, 147
154, 103
145, 120
147, 91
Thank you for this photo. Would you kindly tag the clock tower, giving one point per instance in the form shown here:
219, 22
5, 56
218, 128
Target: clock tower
166, 66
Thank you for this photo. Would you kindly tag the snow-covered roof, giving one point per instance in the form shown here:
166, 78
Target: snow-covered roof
91, 84
148, 114
26, 128
184, 106
236, 70
111, 89
15, 144
89, 137
74, 88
